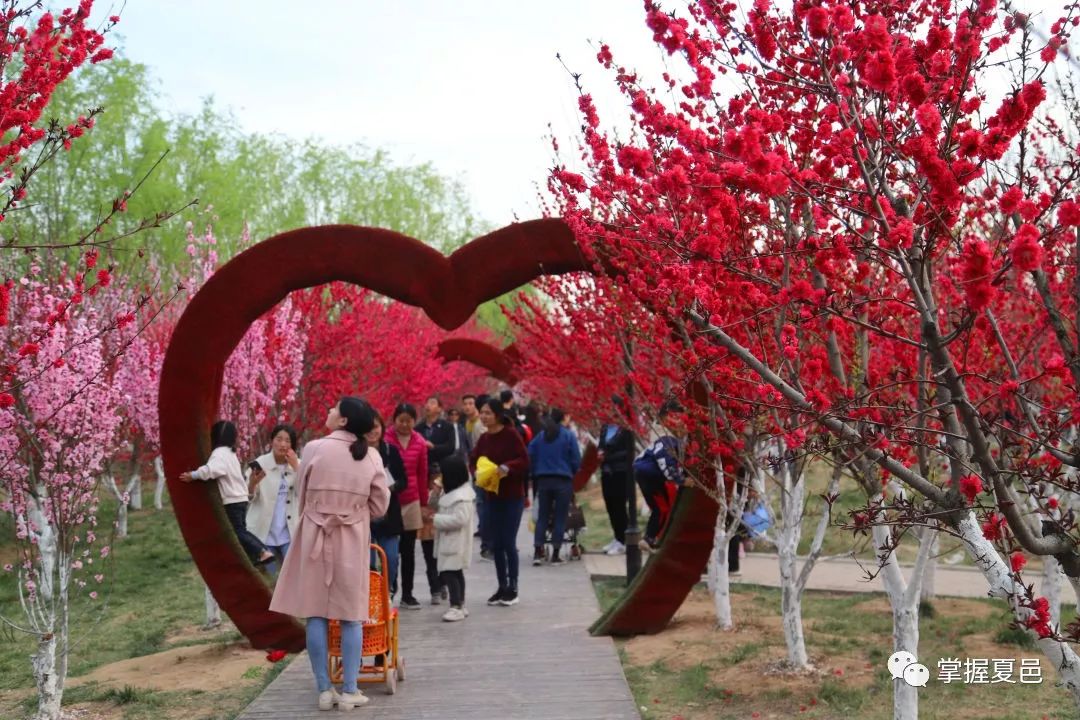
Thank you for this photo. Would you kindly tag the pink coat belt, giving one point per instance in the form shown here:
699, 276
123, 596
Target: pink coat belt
328, 524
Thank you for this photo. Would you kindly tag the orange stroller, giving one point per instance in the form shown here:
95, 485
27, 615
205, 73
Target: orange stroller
380, 636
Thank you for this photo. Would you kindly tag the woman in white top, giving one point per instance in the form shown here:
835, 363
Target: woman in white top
225, 468
273, 513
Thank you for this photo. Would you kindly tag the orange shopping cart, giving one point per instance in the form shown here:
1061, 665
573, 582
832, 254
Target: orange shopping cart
380, 636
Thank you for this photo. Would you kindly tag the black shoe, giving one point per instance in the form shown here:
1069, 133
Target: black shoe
538, 556
510, 597
410, 603
556, 560
497, 598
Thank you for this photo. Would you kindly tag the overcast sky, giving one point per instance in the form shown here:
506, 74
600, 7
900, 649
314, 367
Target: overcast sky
469, 86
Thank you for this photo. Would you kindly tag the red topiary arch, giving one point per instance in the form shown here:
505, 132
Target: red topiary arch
448, 289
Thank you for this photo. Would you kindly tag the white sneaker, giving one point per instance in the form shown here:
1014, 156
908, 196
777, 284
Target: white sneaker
466, 611
328, 699
610, 545
351, 701
617, 548
454, 615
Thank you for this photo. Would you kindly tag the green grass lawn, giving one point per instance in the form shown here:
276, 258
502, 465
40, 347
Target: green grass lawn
152, 600
695, 672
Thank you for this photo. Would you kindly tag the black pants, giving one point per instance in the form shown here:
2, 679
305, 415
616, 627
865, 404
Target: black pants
733, 548
454, 581
617, 501
408, 563
654, 490
237, 514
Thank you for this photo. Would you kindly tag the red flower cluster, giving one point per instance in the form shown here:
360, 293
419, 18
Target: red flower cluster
1025, 250
970, 487
1039, 621
993, 528
977, 266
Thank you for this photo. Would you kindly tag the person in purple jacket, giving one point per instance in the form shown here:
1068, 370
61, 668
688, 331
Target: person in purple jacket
554, 459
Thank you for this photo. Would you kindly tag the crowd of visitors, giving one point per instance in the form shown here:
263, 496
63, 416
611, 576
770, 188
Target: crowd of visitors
440, 479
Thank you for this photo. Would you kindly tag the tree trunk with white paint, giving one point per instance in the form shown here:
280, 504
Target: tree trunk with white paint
213, 610
1002, 585
49, 661
904, 597
719, 579
929, 580
1051, 588
792, 507
159, 488
123, 496
136, 491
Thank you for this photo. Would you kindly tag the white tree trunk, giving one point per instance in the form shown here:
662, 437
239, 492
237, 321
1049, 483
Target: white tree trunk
49, 661
1002, 585
719, 580
904, 596
213, 610
49, 690
123, 496
159, 488
1051, 588
792, 507
929, 581
905, 637
136, 491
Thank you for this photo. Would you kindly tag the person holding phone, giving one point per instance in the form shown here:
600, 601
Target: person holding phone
272, 509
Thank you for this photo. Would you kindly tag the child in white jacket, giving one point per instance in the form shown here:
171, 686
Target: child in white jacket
224, 467
453, 533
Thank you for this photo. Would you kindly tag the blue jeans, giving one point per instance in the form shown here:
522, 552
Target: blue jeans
391, 545
553, 493
280, 551
352, 641
504, 519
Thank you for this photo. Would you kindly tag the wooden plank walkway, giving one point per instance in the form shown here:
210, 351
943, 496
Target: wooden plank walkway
533, 661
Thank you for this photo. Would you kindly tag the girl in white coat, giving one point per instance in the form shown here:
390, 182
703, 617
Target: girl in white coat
453, 533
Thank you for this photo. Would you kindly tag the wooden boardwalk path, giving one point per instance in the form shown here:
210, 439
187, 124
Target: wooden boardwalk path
533, 661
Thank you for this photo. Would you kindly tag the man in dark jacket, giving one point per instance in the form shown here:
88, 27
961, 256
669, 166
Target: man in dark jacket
616, 452
438, 432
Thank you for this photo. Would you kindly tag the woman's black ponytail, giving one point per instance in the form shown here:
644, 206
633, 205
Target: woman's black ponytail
359, 420
552, 424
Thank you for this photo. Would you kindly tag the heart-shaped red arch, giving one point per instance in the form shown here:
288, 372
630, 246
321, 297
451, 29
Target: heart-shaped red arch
448, 289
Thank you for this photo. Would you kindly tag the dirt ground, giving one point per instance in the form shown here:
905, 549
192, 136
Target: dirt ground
744, 677
200, 678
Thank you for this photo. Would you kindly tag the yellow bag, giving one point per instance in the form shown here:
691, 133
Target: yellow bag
487, 475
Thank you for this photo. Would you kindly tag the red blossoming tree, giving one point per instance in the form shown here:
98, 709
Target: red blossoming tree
863, 215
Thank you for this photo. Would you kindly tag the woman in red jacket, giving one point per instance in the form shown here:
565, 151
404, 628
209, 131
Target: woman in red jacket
414, 499
502, 445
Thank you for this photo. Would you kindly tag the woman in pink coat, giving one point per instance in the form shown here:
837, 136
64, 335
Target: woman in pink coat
325, 576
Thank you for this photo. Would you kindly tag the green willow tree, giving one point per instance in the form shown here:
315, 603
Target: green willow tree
270, 182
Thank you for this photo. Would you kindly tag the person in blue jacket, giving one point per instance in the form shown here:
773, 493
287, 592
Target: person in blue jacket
554, 459
658, 472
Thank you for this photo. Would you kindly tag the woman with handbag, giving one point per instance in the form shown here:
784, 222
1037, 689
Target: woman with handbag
502, 445
414, 503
